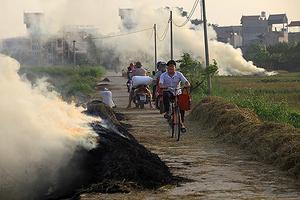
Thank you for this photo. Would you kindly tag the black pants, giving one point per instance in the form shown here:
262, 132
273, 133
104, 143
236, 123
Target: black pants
167, 97
154, 92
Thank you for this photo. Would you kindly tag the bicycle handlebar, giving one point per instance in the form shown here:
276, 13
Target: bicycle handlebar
179, 88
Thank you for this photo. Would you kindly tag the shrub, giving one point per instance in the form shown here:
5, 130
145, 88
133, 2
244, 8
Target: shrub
69, 81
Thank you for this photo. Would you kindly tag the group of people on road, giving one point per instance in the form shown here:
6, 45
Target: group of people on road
137, 70
167, 80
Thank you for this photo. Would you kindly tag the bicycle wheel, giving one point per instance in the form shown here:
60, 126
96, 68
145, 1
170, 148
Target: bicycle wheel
171, 120
178, 124
161, 107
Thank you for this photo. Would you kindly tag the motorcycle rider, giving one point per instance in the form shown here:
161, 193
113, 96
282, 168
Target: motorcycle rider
139, 71
169, 80
130, 69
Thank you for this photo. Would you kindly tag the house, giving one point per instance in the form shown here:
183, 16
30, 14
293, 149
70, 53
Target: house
259, 29
18, 48
127, 16
230, 34
294, 31
34, 22
252, 27
278, 30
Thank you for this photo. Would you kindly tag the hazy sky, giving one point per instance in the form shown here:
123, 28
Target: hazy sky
229, 12
222, 12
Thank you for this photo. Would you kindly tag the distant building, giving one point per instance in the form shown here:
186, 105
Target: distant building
259, 29
128, 18
294, 31
252, 27
278, 30
19, 48
79, 34
230, 34
34, 22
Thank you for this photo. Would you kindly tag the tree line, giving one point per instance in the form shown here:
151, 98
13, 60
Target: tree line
282, 56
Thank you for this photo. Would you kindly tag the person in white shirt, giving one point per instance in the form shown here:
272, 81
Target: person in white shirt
170, 80
139, 71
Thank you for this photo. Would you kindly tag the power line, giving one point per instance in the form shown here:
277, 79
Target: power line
191, 13
152, 33
201, 10
163, 36
122, 34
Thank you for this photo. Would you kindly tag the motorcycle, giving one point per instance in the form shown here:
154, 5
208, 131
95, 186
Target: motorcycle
141, 97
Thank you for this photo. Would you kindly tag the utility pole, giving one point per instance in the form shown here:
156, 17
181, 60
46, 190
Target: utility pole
63, 50
155, 47
209, 84
171, 33
69, 47
53, 43
74, 53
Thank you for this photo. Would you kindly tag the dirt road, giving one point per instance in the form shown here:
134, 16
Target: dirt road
216, 170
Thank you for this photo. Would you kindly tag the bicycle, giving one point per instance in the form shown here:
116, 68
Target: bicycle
175, 120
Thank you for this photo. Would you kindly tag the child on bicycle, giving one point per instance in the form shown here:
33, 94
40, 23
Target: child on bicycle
170, 81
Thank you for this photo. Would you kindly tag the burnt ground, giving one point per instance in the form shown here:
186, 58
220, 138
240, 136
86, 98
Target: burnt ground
217, 170
118, 164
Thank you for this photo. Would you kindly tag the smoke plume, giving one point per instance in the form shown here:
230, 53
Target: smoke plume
139, 46
38, 134
186, 39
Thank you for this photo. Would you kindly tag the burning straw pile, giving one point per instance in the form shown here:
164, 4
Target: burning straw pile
275, 143
118, 164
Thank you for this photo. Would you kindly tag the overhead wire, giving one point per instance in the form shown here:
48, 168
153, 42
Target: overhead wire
191, 13
122, 34
163, 36
201, 10
152, 34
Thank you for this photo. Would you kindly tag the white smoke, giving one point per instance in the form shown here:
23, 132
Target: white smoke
139, 46
38, 131
133, 47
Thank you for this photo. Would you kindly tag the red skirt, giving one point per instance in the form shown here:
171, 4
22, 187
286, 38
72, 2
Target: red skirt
184, 102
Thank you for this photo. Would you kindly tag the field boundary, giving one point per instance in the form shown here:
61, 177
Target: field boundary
276, 143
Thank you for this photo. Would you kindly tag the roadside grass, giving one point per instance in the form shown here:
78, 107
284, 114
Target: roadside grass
69, 81
276, 143
273, 98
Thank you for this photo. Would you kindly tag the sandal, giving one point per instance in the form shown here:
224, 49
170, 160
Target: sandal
167, 116
183, 129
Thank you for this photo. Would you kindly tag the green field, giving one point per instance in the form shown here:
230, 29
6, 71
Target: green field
273, 98
73, 83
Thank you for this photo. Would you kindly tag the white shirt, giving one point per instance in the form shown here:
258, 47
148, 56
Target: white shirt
107, 98
172, 81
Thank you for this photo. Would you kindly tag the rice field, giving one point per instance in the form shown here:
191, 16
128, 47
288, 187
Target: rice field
273, 98
281, 88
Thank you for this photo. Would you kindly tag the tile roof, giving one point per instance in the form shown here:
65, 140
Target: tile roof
278, 19
294, 23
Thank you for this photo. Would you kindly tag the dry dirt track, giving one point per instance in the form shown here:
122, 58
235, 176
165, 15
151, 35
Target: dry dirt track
217, 171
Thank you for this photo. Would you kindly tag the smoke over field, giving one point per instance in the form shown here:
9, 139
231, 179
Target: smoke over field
38, 134
125, 49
